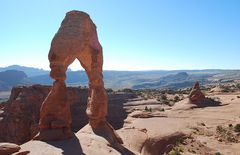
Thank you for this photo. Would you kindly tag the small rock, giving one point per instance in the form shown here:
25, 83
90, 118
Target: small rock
220, 140
144, 130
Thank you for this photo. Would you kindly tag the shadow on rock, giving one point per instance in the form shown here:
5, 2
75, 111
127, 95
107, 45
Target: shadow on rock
107, 132
21, 112
209, 102
70, 147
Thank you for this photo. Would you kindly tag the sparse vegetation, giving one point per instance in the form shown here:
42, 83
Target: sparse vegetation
226, 134
220, 129
162, 109
238, 85
128, 90
226, 90
163, 97
148, 109
174, 152
176, 98
237, 128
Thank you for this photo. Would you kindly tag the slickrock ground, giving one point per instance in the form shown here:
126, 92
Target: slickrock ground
152, 128
182, 128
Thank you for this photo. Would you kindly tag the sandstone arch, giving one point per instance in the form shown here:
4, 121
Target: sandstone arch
75, 39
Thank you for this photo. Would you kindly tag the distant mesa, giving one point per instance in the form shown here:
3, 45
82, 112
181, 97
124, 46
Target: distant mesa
170, 81
10, 78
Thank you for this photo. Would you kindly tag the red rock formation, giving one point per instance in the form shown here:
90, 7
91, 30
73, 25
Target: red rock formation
21, 114
19, 119
75, 39
196, 96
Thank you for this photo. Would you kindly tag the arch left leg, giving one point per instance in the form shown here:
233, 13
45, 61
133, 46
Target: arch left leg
55, 117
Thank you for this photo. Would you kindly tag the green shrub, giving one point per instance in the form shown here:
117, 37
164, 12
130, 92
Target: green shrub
162, 109
238, 85
174, 152
127, 90
164, 97
226, 90
146, 108
176, 98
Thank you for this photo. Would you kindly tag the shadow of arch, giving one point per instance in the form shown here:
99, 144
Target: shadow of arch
69, 147
116, 112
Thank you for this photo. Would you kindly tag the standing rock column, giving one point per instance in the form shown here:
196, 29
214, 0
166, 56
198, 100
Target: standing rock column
196, 96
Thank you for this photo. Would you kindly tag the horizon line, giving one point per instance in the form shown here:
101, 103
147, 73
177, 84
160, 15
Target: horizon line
123, 70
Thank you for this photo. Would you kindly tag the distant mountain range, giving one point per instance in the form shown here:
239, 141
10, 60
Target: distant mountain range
29, 71
160, 79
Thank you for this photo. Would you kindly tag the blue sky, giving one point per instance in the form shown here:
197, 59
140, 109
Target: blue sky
135, 34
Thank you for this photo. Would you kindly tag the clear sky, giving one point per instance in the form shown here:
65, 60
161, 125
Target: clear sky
135, 34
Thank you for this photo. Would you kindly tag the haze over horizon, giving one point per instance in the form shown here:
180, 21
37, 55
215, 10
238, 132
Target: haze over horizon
79, 68
135, 35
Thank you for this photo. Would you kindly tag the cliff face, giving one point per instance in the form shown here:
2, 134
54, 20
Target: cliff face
20, 116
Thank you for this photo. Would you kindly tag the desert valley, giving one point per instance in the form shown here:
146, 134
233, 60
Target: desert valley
149, 121
151, 78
